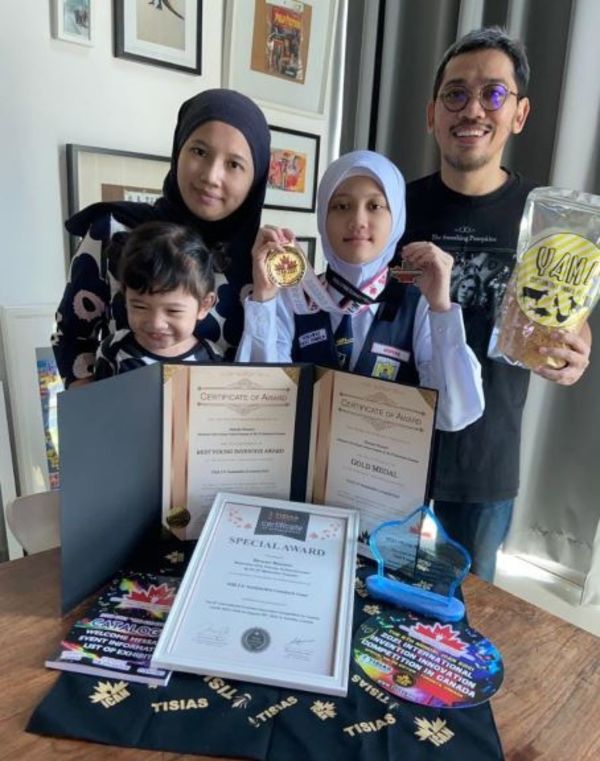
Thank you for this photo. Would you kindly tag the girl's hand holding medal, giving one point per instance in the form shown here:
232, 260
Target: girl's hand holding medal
435, 267
276, 262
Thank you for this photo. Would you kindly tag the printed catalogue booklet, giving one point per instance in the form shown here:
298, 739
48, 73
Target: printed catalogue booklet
117, 636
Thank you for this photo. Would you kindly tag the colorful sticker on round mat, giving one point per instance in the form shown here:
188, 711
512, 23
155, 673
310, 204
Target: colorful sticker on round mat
428, 662
555, 279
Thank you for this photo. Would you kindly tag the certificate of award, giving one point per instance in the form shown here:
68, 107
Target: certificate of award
229, 428
295, 432
267, 596
373, 445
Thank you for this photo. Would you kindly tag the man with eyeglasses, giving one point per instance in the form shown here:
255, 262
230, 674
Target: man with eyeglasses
472, 209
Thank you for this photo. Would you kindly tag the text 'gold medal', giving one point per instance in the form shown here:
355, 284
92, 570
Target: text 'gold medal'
286, 266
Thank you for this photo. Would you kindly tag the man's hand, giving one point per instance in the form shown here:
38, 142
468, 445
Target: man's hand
436, 267
576, 353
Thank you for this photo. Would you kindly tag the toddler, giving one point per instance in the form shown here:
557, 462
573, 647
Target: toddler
167, 277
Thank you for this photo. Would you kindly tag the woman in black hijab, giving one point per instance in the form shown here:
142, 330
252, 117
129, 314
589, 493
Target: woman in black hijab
216, 185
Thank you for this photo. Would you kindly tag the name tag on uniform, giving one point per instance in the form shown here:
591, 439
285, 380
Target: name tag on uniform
390, 351
314, 337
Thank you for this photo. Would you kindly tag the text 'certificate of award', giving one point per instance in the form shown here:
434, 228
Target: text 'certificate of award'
267, 596
373, 446
227, 428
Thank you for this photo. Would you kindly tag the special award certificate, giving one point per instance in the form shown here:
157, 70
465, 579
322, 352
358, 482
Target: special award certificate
267, 596
373, 445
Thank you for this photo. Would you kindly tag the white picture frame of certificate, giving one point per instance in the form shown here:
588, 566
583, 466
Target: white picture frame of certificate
268, 596
279, 51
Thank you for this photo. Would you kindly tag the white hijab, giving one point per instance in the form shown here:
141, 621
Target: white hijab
388, 176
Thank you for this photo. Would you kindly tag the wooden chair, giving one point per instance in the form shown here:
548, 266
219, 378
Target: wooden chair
35, 521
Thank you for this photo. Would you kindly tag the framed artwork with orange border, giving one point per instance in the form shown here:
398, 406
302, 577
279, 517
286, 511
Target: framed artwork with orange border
293, 170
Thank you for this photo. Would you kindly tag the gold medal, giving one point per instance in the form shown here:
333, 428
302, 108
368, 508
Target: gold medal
286, 266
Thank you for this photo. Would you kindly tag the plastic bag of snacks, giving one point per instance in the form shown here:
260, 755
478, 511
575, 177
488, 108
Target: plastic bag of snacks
556, 281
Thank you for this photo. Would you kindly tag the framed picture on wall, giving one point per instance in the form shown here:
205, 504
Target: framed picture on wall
50, 385
72, 21
102, 174
160, 32
308, 244
279, 51
292, 183
25, 329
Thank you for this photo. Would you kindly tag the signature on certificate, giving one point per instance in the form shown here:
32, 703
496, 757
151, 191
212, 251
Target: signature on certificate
299, 648
212, 635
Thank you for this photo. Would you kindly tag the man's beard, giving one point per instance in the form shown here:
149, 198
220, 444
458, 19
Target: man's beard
466, 163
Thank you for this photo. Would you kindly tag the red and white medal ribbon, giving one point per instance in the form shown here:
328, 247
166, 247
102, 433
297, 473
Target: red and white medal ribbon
314, 293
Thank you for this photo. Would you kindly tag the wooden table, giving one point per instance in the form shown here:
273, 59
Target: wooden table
548, 708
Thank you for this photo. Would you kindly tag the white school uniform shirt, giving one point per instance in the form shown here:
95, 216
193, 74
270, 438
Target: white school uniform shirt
443, 359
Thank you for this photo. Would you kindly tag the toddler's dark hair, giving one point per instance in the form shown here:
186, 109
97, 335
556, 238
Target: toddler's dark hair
157, 257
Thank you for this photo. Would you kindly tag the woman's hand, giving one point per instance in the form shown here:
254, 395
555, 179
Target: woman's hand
268, 239
436, 267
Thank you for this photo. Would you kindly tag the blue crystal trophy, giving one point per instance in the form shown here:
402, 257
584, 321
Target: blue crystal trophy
418, 566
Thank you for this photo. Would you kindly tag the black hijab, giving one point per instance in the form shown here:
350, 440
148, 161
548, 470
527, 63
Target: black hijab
238, 230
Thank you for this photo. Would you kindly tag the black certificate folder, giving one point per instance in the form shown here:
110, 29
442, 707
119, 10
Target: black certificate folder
111, 454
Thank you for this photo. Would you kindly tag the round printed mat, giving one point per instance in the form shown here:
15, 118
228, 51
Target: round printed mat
448, 665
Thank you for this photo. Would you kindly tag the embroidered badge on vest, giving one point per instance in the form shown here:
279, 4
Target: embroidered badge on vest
108, 695
435, 731
385, 368
314, 337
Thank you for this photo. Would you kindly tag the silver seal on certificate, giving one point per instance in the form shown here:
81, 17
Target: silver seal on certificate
286, 266
256, 640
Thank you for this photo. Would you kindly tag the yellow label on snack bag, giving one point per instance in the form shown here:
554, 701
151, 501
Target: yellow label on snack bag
554, 278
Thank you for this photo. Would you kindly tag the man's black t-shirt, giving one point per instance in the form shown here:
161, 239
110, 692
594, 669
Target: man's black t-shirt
481, 462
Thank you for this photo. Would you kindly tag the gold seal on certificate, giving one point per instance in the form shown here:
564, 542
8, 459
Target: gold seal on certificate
286, 266
178, 517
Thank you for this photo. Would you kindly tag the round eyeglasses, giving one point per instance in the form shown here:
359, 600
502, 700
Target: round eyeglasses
491, 97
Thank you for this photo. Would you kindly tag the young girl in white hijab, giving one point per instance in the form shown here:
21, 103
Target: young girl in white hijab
357, 316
